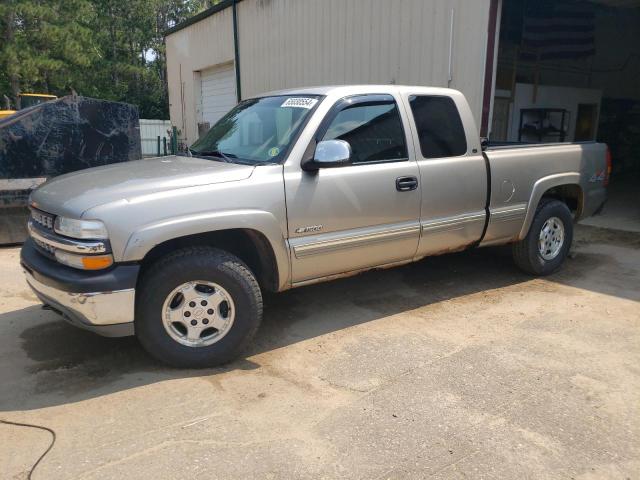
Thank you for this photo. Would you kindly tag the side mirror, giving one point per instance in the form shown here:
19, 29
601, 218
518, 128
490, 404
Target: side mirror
330, 154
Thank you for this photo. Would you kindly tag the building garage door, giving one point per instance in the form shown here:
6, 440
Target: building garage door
218, 92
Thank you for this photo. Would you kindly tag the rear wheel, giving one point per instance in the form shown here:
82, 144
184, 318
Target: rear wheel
197, 307
549, 239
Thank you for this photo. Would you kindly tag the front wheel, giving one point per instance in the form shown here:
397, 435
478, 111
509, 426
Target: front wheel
197, 307
547, 244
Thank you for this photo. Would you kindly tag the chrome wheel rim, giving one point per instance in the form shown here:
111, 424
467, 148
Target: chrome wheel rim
551, 238
198, 313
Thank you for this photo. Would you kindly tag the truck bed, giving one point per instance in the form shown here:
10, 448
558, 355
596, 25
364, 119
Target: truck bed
521, 173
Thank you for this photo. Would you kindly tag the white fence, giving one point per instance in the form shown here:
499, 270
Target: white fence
150, 130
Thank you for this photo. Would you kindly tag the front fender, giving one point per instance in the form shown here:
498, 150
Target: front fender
148, 236
539, 188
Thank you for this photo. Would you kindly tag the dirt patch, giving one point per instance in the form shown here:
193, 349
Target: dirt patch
586, 234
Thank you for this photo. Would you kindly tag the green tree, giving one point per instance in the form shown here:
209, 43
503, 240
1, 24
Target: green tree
131, 65
45, 44
111, 49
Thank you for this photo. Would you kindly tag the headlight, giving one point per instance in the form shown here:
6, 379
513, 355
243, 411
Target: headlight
70, 227
84, 262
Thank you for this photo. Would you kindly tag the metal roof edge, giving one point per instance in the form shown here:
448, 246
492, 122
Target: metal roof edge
201, 16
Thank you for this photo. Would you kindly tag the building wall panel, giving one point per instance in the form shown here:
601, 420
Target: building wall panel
286, 43
295, 43
200, 46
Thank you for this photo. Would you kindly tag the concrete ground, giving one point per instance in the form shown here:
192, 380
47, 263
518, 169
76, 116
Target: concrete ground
622, 210
455, 367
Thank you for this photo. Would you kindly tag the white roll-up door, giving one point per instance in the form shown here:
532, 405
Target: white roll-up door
218, 92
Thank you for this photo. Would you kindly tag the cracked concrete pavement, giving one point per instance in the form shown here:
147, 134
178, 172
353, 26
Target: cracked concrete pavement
458, 366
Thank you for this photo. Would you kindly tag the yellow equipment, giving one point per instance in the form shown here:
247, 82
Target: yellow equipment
28, 100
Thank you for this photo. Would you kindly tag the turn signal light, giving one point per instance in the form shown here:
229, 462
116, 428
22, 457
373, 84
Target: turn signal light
90, 262
98, 262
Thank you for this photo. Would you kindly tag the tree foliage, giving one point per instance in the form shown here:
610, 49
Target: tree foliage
111, 49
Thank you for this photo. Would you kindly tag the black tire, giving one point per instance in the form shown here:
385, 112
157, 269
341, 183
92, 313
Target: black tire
526, 253
186, 265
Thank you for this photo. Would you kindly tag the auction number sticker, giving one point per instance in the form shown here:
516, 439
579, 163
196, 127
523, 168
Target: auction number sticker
300, 102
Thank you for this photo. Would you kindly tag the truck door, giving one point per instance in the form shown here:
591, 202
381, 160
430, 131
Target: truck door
360, 215
453, 173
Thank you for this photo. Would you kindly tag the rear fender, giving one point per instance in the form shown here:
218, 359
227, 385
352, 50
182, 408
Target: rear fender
542, 186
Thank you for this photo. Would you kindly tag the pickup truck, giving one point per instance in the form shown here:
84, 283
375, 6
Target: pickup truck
288, 189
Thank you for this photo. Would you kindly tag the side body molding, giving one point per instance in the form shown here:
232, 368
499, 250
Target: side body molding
150, 235
539, 188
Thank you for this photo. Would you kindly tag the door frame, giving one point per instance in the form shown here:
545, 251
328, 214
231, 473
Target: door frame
305, 245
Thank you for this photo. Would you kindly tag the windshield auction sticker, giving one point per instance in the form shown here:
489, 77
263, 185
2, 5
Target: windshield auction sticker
300, 102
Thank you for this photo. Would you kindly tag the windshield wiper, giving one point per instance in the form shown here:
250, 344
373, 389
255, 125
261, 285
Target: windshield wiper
227, 157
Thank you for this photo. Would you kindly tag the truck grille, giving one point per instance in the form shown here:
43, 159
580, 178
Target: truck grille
43, 219
45, 248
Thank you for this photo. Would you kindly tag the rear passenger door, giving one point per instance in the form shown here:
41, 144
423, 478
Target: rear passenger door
452, 173
360, 215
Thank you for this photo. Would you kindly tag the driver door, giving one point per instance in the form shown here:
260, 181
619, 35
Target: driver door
364, 214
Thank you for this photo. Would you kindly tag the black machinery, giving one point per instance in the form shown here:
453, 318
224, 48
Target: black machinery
57, 137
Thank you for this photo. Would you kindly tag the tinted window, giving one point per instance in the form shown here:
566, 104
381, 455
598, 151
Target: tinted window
439, 126
374, 131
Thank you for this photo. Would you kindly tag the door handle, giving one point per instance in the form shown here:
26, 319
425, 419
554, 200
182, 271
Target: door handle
406, 184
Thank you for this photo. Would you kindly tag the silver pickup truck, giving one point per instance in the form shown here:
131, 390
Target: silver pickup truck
288, 189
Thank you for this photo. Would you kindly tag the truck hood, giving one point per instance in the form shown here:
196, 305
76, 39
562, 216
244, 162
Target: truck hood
74, 193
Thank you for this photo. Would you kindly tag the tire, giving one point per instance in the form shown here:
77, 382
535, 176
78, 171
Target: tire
175, 286
528, 253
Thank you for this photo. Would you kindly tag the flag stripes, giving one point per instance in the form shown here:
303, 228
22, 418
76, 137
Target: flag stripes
562, 31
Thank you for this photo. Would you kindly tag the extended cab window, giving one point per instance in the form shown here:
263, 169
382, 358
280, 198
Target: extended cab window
373, 129
439, 126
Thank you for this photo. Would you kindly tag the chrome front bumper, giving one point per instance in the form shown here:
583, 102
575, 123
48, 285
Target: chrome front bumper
106, 313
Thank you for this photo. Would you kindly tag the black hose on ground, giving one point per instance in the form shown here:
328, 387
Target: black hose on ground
40, 427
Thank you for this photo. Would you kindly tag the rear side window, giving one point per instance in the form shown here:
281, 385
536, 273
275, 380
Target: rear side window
439, 126
373, 129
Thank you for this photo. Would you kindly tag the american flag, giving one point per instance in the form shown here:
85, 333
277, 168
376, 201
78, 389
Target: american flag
561, 30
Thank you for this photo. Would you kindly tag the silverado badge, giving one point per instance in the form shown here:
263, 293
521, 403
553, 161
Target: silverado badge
311, 228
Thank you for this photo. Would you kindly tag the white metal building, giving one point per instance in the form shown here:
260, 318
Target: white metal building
532, 70
154, 135
237, 49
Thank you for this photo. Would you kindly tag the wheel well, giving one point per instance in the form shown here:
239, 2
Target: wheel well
250, 246
570, 194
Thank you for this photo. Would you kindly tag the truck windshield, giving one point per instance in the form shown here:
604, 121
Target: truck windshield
256, 131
